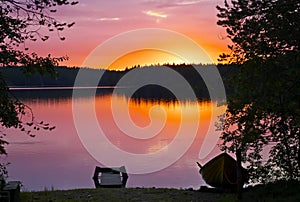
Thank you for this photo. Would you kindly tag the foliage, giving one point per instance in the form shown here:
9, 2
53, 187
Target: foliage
21, 21
261, 29
276, 191
264, 110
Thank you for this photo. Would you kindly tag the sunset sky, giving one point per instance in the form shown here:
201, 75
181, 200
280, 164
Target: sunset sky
100, 20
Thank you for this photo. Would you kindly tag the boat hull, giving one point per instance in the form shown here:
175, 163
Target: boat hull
221, 172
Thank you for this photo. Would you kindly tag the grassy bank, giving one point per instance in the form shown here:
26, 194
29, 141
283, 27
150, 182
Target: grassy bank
279, 191
119, 194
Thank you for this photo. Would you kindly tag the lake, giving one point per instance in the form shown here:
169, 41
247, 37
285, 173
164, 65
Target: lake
158, 141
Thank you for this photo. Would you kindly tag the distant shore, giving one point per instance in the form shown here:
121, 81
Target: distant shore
67, 78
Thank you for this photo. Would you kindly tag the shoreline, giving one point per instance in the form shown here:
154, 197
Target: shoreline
277, 191
120, 194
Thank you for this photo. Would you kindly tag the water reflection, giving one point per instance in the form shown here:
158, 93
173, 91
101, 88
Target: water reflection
60, 160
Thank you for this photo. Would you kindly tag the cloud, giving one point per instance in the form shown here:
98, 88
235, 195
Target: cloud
155, 14
109, 19
175, 3
188, 2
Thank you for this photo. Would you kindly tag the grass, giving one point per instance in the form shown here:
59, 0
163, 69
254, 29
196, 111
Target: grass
119, 194
279, 191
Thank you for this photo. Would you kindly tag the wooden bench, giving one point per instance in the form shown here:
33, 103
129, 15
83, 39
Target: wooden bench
11, 192
4, 196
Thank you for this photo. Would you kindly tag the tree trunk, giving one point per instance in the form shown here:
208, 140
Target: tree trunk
298, 155
239, 176
288, 161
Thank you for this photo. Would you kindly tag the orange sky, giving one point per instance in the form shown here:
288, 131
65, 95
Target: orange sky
100, 20
143, 58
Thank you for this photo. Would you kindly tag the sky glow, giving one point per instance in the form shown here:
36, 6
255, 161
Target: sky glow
99, 20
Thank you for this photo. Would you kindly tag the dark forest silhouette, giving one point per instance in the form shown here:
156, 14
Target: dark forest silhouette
66, 77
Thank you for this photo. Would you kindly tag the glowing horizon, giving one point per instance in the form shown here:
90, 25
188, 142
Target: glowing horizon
98, 21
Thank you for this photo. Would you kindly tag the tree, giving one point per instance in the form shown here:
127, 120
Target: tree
21, 21
264, 109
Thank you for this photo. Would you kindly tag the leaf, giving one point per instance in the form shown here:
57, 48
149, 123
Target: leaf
29, 123
71, 24
52, 128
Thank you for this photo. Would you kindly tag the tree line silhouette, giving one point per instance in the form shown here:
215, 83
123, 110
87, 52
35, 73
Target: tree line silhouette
66, 77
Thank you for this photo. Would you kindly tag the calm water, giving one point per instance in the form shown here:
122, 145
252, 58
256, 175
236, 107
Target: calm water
66, 157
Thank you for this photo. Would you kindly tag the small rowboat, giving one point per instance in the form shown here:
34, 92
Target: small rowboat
221, 172
110, 177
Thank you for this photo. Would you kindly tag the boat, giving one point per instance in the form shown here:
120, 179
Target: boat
110, 177
221, 172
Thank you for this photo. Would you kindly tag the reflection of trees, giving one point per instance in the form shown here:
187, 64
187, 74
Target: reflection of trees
58, 94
